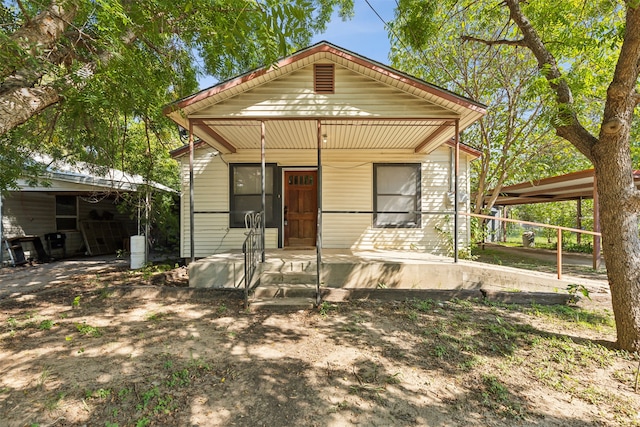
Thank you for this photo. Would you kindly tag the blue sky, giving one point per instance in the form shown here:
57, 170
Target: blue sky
364, 34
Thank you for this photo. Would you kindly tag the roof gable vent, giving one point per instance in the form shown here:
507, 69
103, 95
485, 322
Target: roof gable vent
324, 78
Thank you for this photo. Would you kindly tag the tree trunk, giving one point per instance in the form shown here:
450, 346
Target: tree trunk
620, 242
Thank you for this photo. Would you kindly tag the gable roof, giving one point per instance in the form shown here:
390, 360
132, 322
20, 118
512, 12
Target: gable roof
419, 115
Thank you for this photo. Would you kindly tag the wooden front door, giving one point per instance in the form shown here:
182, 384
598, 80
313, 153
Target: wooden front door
300, 208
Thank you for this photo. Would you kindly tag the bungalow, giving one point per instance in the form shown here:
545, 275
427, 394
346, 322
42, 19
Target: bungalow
73, 205
337, 150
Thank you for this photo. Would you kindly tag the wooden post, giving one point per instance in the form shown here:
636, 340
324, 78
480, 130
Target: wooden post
263, 184
192, 221
579, 219
559, 252
319, 216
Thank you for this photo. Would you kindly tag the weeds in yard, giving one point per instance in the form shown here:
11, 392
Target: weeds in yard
44, 376
88, 330
496, 396
155, 317
46, 324
574, 290
326, 307
12, 322
54, 401
222, 308
590, 319
101, 393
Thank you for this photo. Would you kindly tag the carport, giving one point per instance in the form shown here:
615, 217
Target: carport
573, 186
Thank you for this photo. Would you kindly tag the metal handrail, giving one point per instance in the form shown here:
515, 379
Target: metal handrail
251, 247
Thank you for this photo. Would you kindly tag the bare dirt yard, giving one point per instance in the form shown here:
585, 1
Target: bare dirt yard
118, 348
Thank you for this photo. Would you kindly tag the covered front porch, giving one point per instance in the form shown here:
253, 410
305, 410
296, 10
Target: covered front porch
345, 269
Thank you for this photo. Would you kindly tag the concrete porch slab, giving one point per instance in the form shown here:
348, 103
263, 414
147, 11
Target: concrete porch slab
383, 269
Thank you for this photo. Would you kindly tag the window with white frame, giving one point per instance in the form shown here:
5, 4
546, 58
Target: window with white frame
66, 213
396, 189
246, 192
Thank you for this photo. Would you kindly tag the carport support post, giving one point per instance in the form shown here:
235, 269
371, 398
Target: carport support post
559, 253
263, 172
579, 219
191, 197
596, 224
455, 193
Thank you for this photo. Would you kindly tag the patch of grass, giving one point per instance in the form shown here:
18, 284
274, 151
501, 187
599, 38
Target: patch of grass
222, 308
46, 324
340, 406
54, 402
155, 317
439, 351
179, 378
326, 307
101, 393
496, 395
12, 322
423, 306
44, 376
123, 393
591, 319
470, 363
88, 330
412, 315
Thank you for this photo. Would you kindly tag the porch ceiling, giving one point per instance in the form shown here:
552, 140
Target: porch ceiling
372, 106
232, 135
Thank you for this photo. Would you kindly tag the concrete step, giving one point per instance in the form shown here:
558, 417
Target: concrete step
282, 277
282, 304
289, 266
285, 290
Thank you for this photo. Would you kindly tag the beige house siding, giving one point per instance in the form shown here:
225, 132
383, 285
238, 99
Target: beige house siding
26, 214
347, 177
33, 213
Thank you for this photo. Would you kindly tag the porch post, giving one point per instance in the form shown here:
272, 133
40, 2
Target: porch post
596, 224
263, 172
456, 220
319, 231
192, 221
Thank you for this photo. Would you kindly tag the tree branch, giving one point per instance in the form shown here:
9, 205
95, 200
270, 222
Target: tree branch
520, 42
42, 32
569, 128
622, 94
20, 104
